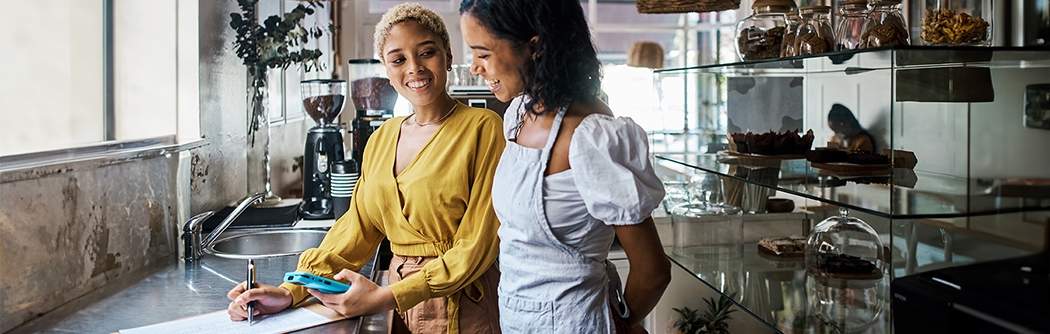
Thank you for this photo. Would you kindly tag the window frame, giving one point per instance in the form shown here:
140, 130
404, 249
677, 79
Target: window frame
108, 150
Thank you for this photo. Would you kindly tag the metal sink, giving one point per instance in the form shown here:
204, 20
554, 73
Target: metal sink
266, 243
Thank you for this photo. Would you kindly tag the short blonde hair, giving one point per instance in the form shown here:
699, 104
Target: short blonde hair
414, 12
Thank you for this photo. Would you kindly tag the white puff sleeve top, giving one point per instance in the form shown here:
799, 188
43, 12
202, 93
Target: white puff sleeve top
610, 182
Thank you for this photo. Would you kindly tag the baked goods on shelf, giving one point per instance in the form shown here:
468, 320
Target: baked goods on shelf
792, 246
867, 158
826, 154
901, 158
738, 142
843, 266
771, 143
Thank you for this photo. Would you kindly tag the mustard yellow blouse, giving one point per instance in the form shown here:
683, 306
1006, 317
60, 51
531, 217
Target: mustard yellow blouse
440, 205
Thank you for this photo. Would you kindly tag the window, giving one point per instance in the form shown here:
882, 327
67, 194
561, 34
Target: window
51, 84
688, 39
92, 71
286, 104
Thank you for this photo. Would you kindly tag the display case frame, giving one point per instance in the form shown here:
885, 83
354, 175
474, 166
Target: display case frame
978, 193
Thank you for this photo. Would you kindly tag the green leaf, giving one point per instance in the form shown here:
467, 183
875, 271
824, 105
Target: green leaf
269, 44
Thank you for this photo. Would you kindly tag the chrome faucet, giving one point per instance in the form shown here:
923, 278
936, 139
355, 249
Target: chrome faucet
194, 246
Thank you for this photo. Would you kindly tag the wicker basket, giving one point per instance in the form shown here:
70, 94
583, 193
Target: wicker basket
646, 54
685, 6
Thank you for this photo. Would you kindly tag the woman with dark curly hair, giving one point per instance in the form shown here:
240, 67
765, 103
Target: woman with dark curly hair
572, 178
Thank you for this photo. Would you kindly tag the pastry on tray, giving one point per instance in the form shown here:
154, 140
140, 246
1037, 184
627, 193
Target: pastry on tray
901, 158
843, 266
793, 246
738, 143
867, 158
771, 143
826, 155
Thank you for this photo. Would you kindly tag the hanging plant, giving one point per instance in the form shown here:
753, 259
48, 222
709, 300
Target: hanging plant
276, 43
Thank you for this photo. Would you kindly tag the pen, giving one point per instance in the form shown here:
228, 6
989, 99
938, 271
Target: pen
250, 284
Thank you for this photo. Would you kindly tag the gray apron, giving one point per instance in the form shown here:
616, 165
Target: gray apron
545, 285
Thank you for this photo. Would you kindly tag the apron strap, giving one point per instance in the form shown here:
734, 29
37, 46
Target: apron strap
616, 298
555, 126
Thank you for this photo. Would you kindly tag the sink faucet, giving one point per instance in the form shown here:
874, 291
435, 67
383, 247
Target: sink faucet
194, 246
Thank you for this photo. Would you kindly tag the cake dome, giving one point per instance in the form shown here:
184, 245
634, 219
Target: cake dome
844, 268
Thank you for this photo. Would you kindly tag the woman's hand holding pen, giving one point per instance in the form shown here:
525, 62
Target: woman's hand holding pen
363, 298
268, 299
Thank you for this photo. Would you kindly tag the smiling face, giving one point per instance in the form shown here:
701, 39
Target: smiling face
495, 59
416, 62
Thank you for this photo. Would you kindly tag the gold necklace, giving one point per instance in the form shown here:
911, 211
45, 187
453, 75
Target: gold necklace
439, 120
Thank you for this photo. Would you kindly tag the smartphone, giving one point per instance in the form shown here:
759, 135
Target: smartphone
315, 282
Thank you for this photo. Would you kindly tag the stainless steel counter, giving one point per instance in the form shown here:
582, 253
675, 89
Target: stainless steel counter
176, 291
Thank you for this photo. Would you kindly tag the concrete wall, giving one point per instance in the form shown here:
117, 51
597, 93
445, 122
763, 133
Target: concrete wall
74, 231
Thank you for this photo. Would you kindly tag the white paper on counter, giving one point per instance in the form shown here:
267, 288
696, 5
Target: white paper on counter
219, 322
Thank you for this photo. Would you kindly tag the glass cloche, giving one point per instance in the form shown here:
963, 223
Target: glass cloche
844, 247
845, 260
708, 231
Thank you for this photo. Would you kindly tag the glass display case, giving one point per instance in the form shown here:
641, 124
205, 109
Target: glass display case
966, 182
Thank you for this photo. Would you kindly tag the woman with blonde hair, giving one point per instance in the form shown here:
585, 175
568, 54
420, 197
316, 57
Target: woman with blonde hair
425, 185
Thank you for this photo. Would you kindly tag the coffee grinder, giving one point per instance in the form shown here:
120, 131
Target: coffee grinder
374, 99
323, 100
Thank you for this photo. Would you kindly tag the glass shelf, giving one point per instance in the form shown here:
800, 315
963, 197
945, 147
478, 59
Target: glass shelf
898, 57
774, 290
914, 194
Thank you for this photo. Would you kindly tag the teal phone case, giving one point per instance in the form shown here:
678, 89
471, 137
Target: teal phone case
315, 282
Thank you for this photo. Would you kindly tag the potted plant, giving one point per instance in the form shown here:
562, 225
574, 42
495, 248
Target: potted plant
276, 42
713, 321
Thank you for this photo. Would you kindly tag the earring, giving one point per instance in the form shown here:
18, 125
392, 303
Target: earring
449, 69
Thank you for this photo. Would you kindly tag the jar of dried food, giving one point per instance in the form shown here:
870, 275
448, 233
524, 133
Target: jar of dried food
787, 46
851, 24
814, 35
760, 35
845, 261
958, 22
884, 25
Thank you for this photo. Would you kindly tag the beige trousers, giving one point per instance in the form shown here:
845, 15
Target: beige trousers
431, 315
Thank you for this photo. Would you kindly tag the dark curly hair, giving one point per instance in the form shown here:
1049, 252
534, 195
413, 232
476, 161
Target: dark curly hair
566, 66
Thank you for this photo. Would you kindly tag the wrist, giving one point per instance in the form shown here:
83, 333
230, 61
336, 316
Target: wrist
287, 299
387, 298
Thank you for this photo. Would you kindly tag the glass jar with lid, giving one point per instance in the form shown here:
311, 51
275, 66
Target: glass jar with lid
845, 262
760, 35
787, 46
850, 26
707, 231
814, 35
948, 22
884, 25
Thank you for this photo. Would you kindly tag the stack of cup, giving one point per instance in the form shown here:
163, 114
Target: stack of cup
344, 177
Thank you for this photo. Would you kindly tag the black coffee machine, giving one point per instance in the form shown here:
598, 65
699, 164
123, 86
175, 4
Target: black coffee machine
374, 99
323, 100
